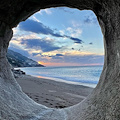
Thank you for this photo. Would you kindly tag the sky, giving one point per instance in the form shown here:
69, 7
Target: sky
60, 36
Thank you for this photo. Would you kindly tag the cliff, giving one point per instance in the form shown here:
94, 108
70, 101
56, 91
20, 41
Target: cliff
18, 60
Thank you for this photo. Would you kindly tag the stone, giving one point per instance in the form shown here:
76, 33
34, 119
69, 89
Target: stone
102, 104
17, 73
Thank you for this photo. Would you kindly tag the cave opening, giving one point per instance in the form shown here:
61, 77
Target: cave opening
102, 103
69, 45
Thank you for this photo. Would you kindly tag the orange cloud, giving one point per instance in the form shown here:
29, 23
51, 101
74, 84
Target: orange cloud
69, 64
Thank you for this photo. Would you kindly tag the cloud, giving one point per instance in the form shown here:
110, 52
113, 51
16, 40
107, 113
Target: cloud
18, 49
39, 28
35, 54
74, 32
75, 59
47, 11
44, 45
76, 24
72, 48
36, 27
90, 43
76, 40
59, 55
90, 19
34, 18
84, 59
66, 9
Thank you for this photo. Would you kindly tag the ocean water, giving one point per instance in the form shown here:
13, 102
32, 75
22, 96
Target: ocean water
83, 75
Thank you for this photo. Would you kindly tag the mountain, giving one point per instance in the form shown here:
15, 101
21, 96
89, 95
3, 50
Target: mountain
18, 60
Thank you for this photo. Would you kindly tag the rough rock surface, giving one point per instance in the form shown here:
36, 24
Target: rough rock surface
102, 104
17, 73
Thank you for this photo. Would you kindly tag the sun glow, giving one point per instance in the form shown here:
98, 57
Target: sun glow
39, 62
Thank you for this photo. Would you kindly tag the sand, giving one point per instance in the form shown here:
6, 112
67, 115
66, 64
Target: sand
52, 93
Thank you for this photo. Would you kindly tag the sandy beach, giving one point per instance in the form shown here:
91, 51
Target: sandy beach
52, 93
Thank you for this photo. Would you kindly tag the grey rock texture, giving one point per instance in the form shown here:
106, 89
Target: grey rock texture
102, 104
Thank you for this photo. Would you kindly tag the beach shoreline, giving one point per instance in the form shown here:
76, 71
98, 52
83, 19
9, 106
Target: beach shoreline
51, 93
66, 81
86, 76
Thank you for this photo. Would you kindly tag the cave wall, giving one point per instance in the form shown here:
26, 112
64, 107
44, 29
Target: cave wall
102, 104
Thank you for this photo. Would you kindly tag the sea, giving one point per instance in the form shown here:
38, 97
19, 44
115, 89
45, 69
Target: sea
80, 75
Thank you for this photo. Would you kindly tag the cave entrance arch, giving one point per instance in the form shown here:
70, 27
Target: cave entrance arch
104, 101
89, 24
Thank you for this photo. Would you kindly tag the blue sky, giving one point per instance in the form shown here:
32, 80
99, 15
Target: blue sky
60, 37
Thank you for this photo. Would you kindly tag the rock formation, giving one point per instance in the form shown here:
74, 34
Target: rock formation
102, 104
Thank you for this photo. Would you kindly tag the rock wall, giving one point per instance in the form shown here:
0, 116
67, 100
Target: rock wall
102, 104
